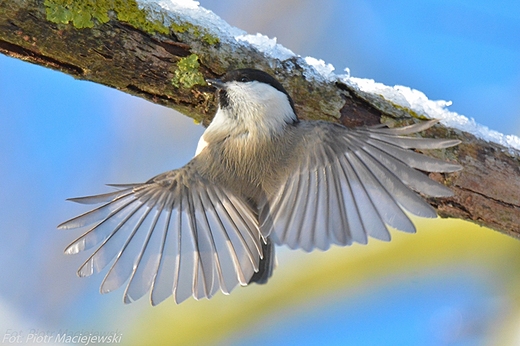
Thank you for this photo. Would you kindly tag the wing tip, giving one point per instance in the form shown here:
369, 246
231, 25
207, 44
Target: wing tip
64, 225
83, 273
80, 200
72, 249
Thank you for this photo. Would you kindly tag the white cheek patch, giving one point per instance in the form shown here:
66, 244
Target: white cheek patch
261, 106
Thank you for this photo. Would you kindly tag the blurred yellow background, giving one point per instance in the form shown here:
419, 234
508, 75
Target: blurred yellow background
304, 281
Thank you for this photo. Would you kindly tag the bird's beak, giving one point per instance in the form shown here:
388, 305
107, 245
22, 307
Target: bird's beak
217, 83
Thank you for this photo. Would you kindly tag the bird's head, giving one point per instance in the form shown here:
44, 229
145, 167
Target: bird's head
254, 98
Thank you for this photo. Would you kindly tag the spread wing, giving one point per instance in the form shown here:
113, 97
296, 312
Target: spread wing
352, 183
176, 234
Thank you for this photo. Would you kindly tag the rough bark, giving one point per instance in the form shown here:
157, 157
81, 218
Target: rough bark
143, 59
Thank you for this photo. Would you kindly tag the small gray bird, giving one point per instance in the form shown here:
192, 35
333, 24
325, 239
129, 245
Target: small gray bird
260, 176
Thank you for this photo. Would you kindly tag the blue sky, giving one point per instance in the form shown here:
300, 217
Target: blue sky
62, 138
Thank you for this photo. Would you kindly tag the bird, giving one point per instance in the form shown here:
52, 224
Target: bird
260, 177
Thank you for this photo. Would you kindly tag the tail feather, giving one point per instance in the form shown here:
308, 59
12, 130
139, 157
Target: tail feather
266, 265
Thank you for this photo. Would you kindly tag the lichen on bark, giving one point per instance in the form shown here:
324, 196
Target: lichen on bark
87, 13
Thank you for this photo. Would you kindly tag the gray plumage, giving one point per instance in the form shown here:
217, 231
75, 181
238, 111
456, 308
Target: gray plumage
260, 176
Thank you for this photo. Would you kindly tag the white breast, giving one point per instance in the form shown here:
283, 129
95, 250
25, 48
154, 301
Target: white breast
201, 145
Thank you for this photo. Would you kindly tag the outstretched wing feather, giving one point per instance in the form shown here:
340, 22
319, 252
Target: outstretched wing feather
176, 234
353, 183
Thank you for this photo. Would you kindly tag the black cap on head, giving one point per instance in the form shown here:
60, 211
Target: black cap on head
249, 75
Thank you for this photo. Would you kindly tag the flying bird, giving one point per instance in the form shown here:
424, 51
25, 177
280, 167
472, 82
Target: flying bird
260, 176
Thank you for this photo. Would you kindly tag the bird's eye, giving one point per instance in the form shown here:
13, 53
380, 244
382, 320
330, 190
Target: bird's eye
244, 79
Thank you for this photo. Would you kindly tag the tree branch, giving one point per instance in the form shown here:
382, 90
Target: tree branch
115, 45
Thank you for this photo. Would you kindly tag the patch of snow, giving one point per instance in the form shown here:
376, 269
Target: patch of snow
319, 70
192, 12
346, 75
419, 103
267, 45
181, 4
